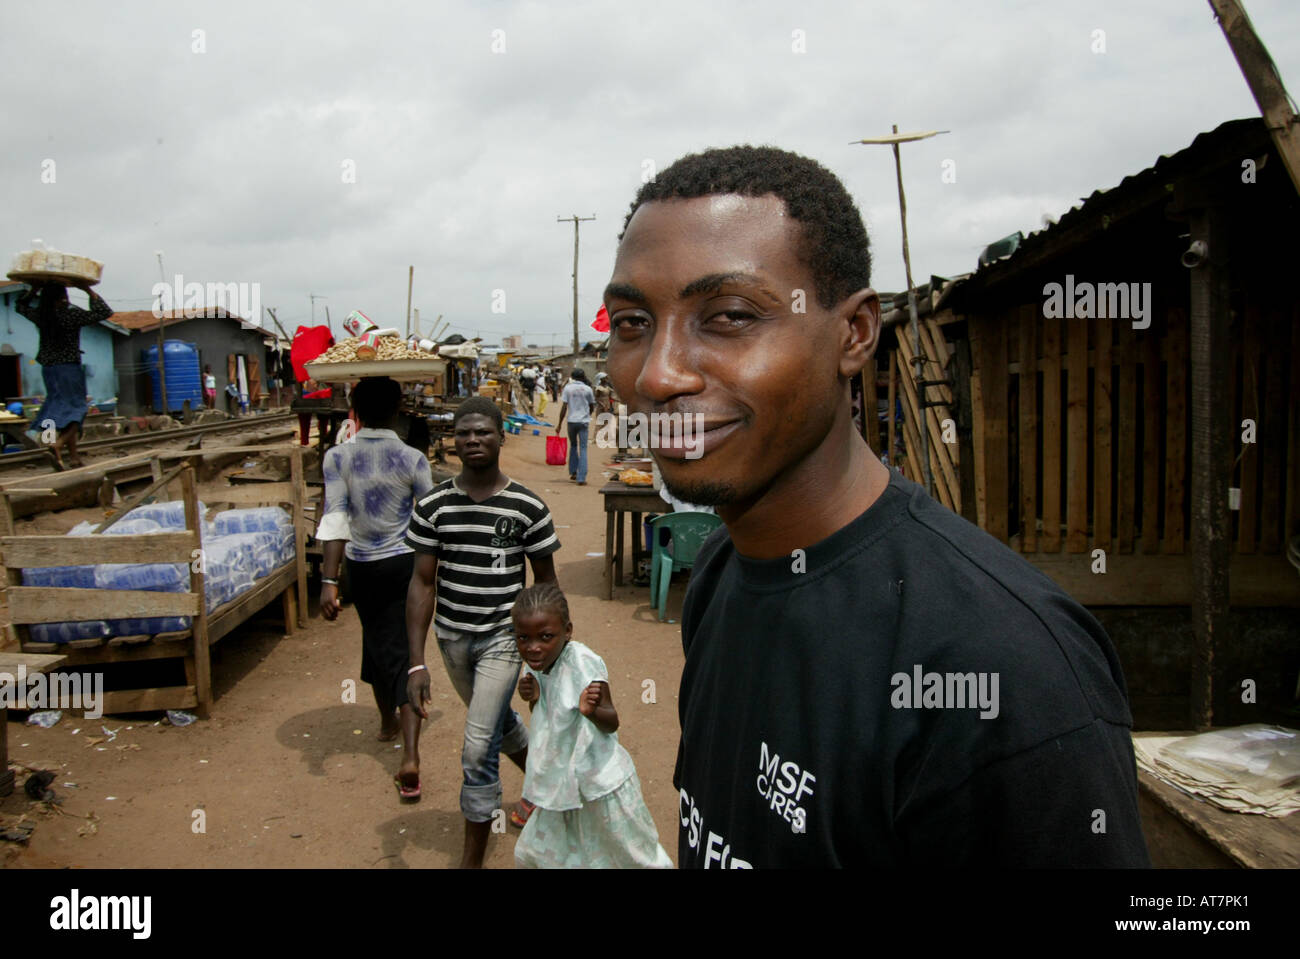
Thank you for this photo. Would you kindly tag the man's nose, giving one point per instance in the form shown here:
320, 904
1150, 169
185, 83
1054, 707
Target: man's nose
671, 364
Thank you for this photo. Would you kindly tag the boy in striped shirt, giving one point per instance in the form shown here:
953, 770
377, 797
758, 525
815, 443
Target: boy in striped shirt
470, 536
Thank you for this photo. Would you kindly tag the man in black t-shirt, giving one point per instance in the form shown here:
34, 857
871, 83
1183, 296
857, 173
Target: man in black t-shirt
870, 680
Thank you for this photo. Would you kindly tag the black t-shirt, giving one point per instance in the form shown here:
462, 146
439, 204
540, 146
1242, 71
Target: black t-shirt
906, 692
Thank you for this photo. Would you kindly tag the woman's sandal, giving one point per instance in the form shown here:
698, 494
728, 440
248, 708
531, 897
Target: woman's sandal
524, 807
407, 792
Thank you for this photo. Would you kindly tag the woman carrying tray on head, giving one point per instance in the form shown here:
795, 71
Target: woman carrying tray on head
59, 324
372, 483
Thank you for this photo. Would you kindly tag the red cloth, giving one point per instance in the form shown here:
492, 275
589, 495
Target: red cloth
601, 323
309, 342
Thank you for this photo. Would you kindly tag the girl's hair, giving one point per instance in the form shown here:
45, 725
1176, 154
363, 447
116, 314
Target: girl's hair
542, 598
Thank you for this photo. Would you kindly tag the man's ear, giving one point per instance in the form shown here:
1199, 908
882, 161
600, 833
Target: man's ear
861, 317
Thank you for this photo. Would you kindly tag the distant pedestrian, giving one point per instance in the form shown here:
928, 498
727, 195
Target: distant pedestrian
209, 388
577, 401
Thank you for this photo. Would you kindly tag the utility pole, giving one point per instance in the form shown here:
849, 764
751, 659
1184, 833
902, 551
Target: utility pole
576, 220
1264, 82
162, 364
918, 356
279, 384
276, 321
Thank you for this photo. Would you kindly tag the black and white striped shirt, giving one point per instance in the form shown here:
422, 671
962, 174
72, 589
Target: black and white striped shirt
480, 549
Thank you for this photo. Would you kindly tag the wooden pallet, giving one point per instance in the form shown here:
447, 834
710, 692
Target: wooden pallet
31, 605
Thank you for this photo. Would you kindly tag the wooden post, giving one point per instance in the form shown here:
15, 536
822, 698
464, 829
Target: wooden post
1126, 482
962, 374
1291, 515
1175, 533
1251, 355
1076, 426
1211, 457
994, 374
1264, 82
299, 532
1102, 445
892, 427
1050, 542
917, 370
1152, 450
199, 622
1028, 394
13, 577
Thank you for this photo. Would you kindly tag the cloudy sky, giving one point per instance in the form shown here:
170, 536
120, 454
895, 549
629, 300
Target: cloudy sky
324, 148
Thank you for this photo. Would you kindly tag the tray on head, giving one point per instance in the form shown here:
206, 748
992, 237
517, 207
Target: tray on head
66, 277
402, 370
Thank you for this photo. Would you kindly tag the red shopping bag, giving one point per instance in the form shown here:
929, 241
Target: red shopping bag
557, 450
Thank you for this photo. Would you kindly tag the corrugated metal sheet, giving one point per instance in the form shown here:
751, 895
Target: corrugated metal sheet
1249, 137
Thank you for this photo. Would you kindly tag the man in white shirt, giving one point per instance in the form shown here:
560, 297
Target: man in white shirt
577, 401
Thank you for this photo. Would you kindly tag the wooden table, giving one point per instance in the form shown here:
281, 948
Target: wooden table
1184, 832
9, 663
621, 499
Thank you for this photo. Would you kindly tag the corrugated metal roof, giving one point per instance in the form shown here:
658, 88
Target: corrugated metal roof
144, 320
1244, 138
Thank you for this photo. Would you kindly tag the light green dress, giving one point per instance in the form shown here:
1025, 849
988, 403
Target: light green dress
590, 813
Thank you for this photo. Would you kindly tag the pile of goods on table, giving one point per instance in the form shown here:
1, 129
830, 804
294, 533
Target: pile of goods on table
370, 347
636, 477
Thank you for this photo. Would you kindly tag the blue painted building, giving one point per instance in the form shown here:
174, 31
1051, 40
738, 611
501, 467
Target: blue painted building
20, 374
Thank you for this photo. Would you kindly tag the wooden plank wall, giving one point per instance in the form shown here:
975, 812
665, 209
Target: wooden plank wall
1102, 431
939, 421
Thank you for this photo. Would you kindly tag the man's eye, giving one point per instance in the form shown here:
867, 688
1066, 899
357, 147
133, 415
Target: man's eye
627, 325
731, 319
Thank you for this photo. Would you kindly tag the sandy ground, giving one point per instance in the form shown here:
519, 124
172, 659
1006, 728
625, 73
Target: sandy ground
286, 774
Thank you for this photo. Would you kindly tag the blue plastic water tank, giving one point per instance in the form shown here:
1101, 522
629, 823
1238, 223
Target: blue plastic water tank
183, 380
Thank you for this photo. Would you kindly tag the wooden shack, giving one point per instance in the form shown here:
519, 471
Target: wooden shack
1061, 384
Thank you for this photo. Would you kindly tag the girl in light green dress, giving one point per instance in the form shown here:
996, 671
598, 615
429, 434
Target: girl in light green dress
589, 813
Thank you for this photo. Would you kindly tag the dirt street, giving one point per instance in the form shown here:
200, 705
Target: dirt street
287, 774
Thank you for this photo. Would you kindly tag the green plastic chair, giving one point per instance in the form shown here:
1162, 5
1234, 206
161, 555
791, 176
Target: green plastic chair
677, 538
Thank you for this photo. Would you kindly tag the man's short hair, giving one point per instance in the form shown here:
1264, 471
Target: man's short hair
376, 400
481, 406
835, 245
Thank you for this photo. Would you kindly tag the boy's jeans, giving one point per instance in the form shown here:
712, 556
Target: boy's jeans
578, 450
484, 668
